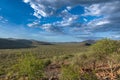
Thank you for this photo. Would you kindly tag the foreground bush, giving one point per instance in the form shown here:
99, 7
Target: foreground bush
29, 67
69, 73
88, 76
105, 47
73, 73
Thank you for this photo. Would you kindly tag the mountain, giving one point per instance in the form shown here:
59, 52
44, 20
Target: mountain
10, 43
83, 43
88, 42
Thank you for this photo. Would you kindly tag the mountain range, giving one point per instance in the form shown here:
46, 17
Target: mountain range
11, 43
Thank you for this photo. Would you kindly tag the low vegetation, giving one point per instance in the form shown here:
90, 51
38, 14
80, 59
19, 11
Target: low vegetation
98, 61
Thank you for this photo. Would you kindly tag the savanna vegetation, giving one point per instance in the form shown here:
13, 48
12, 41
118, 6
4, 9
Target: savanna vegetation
67, 61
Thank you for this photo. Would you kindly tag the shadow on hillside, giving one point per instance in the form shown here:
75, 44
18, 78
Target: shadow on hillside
20, 43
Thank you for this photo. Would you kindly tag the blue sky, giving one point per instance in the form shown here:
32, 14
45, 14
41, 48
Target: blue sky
60, 20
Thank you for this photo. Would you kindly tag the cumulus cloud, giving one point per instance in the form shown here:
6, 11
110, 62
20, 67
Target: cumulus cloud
49, 7
110, 21
52, 28
107, 10
67, 21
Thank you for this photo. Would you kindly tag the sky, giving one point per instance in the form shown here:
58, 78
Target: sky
60, 20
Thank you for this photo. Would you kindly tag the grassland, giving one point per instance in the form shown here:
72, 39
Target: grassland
9, 57
71, 61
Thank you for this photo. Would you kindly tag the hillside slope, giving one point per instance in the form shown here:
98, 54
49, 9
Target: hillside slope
19, 43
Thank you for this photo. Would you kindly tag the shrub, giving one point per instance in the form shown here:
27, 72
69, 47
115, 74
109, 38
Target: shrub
47, 62
105, 51
88, 76
73, 73
29, 66
69, 73
105, 46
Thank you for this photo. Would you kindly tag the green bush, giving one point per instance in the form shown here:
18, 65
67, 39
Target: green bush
73, 73
29, 66
80, 60
47, 62
88, 76
69, 73
104, 51
105, 47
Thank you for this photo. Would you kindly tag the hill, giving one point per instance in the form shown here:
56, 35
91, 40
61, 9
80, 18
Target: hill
10, 43
83, 43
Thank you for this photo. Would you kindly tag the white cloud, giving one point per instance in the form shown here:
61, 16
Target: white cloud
93, 10
46, 27
67, 21
3, 20
104, 9
85, 19
107, 10
26, 1
102, 23
69, 7
38, 10
110, 20
35, 23
49, 7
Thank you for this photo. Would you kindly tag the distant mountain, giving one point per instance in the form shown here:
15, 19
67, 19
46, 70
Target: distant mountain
11, 43
83, 43
88, 42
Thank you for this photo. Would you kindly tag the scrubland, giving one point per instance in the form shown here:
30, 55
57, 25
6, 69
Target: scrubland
72, 61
